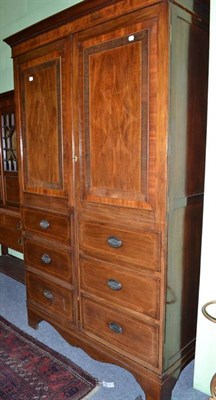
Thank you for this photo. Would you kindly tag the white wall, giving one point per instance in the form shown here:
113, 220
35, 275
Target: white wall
205, 360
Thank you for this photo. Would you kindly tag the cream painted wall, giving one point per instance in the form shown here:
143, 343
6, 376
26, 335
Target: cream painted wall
205, 360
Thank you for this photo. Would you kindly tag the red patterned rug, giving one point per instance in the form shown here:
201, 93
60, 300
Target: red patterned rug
30, 370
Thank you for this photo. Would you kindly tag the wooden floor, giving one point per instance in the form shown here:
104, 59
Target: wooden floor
13, 267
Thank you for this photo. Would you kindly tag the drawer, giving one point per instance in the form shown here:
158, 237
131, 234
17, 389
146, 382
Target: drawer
11, 238
11, 232
49, 225
141, 249
54, 299
127, 335
121, 286
11, 222
54, 262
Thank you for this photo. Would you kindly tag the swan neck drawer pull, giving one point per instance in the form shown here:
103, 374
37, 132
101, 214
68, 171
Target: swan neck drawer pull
114, 242
115, 327
44, 224
114, 284
46, 259
48, 294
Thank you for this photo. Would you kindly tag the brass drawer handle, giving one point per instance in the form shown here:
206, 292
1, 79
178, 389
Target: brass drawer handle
44, 224
46, 259
19, 225
115, 327
114, 284
48, 294
114, 242
20, 241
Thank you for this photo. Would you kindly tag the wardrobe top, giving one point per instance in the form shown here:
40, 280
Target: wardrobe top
88, 13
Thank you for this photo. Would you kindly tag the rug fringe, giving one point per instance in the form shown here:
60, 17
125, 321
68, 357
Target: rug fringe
95, 390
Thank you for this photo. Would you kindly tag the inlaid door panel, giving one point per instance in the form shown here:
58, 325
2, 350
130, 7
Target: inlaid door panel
117, 93
42, 100
45, 121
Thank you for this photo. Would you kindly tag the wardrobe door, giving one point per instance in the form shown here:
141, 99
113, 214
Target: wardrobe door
45, 121
118, 104
121, 154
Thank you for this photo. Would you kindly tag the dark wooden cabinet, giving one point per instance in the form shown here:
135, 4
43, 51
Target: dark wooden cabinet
10, 220
111, 101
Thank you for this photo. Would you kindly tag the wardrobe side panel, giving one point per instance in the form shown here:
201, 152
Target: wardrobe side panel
188, 109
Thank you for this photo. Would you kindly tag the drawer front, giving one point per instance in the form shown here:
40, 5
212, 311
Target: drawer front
53, 298
49, 225
57, 263
11, 222
129, 335
142, 249
120, 286
11, 238
11, 232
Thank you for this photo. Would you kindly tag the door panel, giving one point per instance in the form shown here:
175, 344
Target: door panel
46, 120
42, 121
118, 106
